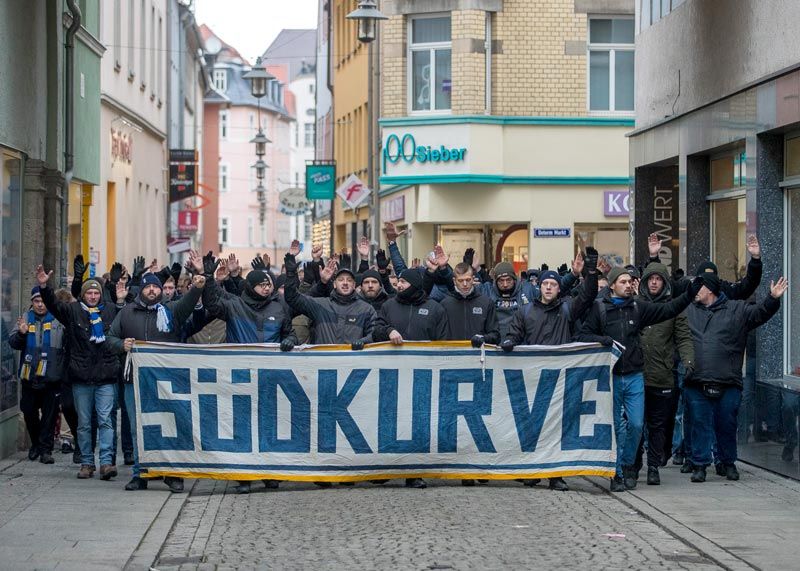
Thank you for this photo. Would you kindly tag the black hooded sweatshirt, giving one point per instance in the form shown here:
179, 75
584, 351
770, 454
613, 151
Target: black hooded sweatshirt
470, 315
413, 315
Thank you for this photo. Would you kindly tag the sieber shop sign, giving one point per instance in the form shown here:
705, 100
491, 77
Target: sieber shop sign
405, 148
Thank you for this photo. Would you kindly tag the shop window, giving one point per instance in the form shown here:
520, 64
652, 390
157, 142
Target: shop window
611, 64
611, 240
792, 157
728, 238
10, 268
728, 171
793, 301
429, 60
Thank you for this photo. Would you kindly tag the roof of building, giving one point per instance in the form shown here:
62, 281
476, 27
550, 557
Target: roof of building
295, 48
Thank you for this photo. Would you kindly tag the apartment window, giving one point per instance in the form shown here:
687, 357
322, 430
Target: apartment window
142, 43
250, 231
223, 125
160, 78
651, 11
223, 231
152, 53
224, 177
429, 64
309, 134
296, 133
311, 88
117, 34
221, 80
131, 41
611, 64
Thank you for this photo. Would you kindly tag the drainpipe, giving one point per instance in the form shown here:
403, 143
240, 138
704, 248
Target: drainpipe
69, 121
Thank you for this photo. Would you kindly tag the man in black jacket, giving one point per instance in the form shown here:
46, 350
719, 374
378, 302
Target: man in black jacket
92, 368
618, 317
40, 338
719, 329
372, 289
147, 319
551, 319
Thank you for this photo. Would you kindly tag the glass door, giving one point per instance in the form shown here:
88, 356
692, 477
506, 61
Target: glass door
10, 260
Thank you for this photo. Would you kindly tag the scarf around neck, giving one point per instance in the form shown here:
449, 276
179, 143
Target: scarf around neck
30, 346
93, 313
163, 317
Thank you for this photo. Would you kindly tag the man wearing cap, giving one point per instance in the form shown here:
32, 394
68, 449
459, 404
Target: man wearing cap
92, 368
617, 316
713, 393
148, 319
551, 319
39, 337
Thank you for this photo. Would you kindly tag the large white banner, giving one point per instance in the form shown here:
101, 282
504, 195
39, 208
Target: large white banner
438, 410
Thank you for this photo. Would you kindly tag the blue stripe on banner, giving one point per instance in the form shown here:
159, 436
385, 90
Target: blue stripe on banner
293, 468
474, 353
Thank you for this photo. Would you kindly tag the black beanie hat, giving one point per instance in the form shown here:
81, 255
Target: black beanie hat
707, 268
711, 281
256, 277
413, 277
369, 274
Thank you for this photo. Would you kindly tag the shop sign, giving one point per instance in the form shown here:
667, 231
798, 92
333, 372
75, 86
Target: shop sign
405, 148
353, 191
188, 221
393, 209
665, 223
320, 182
182, 174
616, 203
293, 202
552, 232
121, 146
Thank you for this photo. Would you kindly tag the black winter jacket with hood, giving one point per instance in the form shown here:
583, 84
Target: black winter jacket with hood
414, 316
470, 315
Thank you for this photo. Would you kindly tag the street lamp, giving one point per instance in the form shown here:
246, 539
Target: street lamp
367, 15
261, 141
261, 169
258, 77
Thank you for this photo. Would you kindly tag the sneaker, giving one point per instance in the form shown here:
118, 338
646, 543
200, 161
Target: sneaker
271, 484
617, 484
653, 478
33, 453
531, 482
108, 471
483, 482
76, 457
323, 485
719, 468
629, 475
129, 459
731, 472
559, 485
175, 485
46, 458
788, 453
687, 467
699, 474
678, 459
417, 483
135, 484
243, 488
468, 483
86, 472
66, 447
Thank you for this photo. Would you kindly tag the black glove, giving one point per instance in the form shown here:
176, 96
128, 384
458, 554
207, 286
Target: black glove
357, 345
258, 264
694, 287
590, 260
607, 341
287, 345
507, 345
78, 267
469, 256
115, 273
477, 341
381, 260
290, 263
138, 269
346, 262
163, 274
563, 270
210, 265
175, 272
544, 268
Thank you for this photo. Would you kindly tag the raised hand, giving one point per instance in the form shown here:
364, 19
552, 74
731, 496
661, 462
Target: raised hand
777, 290
654, 244
754, 247
441, 257
222, 272
294, 248
326, 273
603, 266
210, 264
390, 231
469, 256
153, 267
175, 272
290, 264
115, 273
381, 260
42, 277
590, 260
195, 262
122, 291
577, 264
430, 264
363, 248
22, 325
78, 267
233, 265
199, 282
138, 268
316, 252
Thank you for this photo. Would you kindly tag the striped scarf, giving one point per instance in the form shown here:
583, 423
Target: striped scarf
98, 336
30, 346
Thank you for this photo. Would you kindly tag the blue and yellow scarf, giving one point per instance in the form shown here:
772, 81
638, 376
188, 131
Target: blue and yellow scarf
98, 336
30, 346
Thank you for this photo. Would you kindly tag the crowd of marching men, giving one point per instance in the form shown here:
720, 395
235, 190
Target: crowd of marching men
684, 338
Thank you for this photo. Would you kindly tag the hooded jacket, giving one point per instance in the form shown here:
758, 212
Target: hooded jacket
89, 363
55, 353
659, 341
742, 289
719, 332
470, 315
247, 318
553, 323
414, 316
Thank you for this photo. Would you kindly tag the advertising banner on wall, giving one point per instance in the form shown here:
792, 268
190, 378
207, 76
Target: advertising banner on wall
320, 181
182, 174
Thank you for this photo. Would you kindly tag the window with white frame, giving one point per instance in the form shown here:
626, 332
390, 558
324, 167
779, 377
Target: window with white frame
309, 134
611, 64
221, 80
223, 125
224, 235
224, 177
429, 64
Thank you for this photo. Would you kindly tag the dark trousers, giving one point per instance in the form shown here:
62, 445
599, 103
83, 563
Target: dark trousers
39, 408
68, 410
710, 418
659, 406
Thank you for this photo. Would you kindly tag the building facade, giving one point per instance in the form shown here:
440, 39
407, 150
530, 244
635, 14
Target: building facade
321, 227
715, 156
503, 126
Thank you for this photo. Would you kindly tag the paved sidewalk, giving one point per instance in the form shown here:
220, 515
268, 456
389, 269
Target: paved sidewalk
51, 520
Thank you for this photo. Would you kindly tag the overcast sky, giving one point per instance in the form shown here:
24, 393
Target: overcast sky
251, 25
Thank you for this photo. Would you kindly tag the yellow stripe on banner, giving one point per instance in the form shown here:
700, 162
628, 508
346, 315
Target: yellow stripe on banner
606, 472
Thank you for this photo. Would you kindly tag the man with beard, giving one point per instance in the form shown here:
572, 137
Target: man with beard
372, 289
148, 319
551, 319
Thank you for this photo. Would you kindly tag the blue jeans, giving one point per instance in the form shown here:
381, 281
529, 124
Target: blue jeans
628, 417
680, 429
100, 400
712, 418
130, 406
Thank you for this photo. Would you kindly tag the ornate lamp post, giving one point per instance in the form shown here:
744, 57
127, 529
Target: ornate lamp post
259, 79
